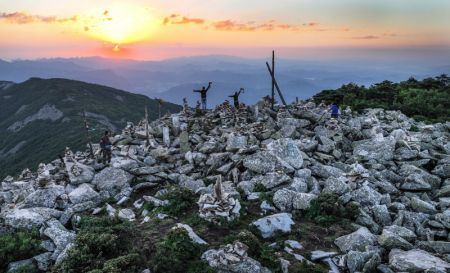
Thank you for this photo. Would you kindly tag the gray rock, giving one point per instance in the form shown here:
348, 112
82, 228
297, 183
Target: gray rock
84, 193
378, 149
391, 240
442, 171
44, 197
403, 232
43, 261
381, 215
112, 180
265, 162
12, 267
366, 196
236, 142
286, 200
79, 173
440, 247
273, 223
126, 215
60, 237
422, 206
415, 261
286, 150
357, 240
337, 185
356, 260
24, 218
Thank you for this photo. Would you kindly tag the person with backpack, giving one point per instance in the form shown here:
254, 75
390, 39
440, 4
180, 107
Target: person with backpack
106, 147
203, 92
334, 109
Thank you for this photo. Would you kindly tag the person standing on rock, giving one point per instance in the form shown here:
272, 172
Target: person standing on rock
106, 146
203, 92
236, 97
334, 109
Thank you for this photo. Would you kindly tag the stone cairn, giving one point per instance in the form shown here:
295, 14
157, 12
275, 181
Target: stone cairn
218, 205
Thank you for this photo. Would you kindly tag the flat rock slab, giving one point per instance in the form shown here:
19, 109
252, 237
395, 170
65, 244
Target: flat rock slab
273, 223
415, 261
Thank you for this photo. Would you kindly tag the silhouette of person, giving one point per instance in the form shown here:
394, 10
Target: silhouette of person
236, 97
334, 109
203, 92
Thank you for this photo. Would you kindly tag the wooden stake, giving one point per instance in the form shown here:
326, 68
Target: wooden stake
273, 78
276, 84
88, 137
147, 142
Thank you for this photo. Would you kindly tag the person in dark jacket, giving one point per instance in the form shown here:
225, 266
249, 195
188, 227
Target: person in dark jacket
106, 146
334, 109
203, 92
236, 97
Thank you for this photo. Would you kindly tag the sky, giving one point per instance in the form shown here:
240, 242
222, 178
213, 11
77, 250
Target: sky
158, 29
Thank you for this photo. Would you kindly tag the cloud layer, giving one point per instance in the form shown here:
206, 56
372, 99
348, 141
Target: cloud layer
25, 18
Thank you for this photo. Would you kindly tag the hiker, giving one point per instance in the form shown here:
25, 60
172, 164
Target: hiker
334, 109
236, 97
105, 145
203, 92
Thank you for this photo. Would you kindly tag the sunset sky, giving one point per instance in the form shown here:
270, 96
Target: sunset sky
156, 29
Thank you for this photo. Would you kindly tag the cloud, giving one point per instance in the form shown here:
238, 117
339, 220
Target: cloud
232, 25
367, 37
25, 18
176, 19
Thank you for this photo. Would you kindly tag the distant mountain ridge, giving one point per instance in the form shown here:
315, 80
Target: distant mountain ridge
48, 113
172, 77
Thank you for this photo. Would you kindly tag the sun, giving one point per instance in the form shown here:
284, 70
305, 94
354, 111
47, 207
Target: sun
121, 24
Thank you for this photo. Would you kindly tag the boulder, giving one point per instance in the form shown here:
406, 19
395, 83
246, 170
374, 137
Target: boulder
366, 196
357, 240
375, 149
24, 218
286, 200
269, 225
84, 193
286, 150
390, 240
415, 261
265, 162
45, 197
111, 180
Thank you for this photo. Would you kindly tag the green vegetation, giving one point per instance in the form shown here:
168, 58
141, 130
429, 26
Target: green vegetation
304, 267
327, 209
104, 245
106, 107
19, 245
176, 252
426, 100
181, 201
26, 269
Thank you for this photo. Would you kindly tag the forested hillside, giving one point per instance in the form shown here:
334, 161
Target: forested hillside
427, 99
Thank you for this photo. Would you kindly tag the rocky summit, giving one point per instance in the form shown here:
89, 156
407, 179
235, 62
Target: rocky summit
368, 192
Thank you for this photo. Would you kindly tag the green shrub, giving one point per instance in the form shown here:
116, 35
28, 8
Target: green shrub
20, 245
176, 251
305, 267
260, 188
102, 245
181, 200
327, 209
200, 267
414, 128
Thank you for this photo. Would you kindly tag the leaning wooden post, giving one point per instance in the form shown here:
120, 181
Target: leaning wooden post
88, 137
273, 81
147, 141
276, 84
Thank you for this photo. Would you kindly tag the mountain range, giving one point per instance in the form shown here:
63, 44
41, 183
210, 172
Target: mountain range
173, 79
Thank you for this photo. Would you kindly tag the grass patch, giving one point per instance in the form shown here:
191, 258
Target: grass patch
20, 245
176, 252
103, 245
304, 267
181, 201
327, 209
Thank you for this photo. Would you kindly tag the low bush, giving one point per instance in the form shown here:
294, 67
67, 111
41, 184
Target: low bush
176, 253
181, 200
305, 267
328, 209
19, 245
103, 245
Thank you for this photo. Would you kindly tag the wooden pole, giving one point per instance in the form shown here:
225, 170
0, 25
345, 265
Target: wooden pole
276, 84
147, 142
273, 78
88, 137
